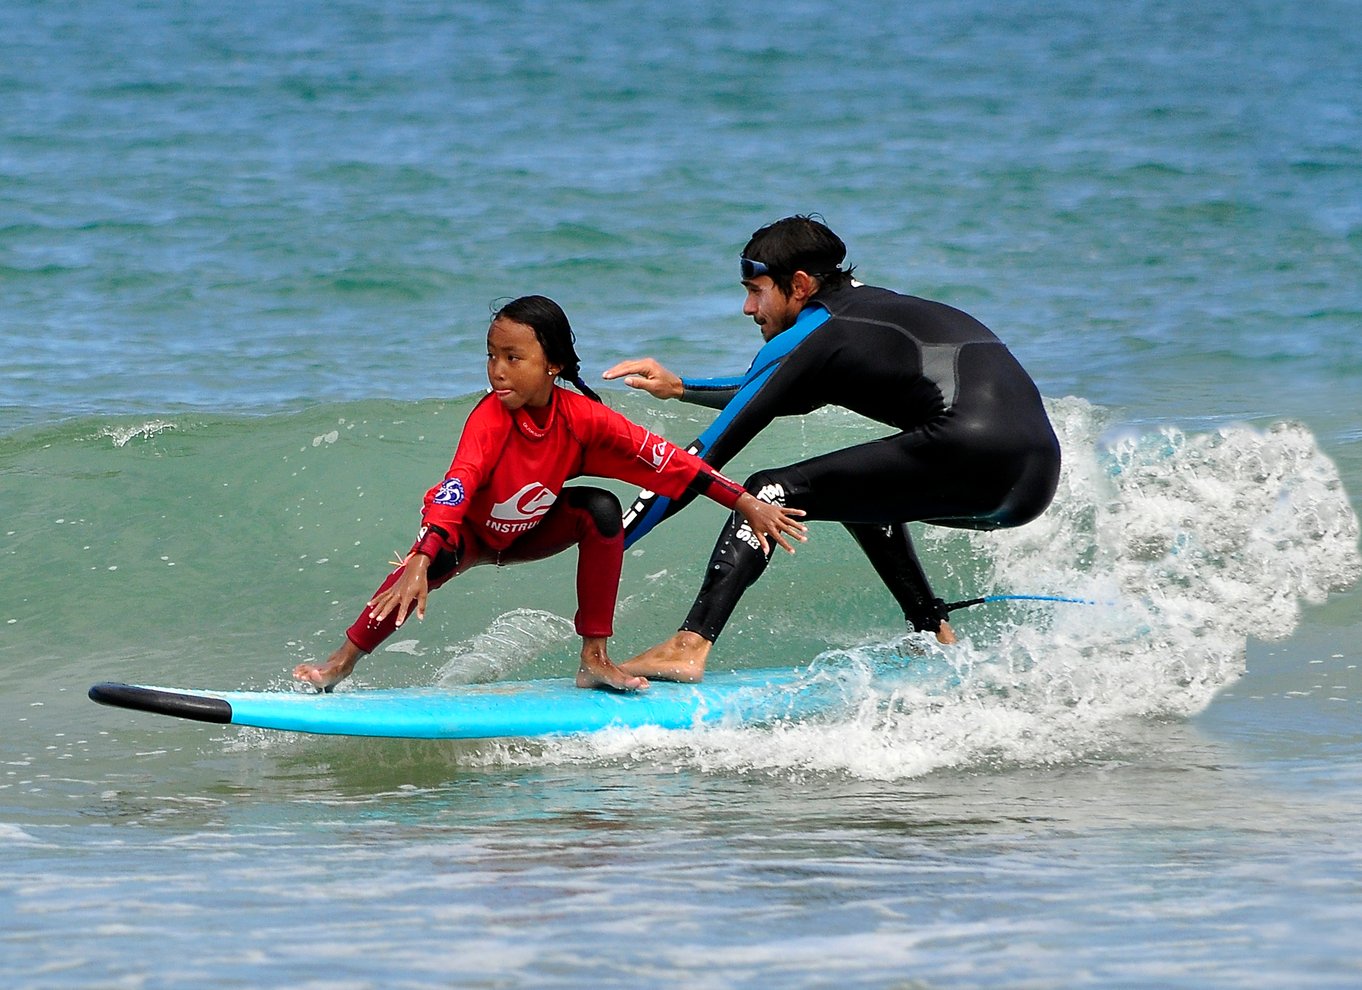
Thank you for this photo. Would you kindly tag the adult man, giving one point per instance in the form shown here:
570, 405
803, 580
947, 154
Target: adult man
975, 448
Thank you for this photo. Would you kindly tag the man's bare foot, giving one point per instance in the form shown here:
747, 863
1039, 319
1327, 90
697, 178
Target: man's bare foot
338, 666
945, 635
597, 671
681, 658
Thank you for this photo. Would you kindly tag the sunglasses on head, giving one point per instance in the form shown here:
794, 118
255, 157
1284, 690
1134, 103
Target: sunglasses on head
751, 269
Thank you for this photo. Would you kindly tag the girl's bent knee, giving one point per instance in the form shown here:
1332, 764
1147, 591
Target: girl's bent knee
601, 506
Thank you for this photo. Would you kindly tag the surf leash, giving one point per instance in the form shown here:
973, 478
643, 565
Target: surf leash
970, 602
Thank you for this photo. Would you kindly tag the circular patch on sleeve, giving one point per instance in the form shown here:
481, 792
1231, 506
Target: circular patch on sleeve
450, 492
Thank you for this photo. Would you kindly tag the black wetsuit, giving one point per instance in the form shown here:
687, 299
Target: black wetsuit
975, 448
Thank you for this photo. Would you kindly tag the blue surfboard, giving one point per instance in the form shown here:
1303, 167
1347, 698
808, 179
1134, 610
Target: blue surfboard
554, 706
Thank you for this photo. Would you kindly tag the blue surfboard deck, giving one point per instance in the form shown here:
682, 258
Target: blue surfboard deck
554, 706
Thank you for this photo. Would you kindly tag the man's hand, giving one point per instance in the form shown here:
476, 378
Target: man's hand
648, 375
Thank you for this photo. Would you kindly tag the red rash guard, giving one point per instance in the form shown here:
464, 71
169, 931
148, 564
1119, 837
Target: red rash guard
507, 470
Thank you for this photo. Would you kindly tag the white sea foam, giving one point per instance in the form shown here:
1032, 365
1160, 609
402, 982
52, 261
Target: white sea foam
513, 641
122, 435
1189, 543
15, 835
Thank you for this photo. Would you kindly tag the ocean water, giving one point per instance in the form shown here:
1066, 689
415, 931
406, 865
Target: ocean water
247, 254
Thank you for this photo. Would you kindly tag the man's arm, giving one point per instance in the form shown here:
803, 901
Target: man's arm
651, 377
745, 414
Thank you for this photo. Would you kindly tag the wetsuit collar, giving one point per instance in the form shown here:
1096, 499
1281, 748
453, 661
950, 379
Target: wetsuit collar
528, 422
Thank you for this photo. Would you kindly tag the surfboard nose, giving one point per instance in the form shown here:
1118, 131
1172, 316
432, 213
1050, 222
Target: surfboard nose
161, 702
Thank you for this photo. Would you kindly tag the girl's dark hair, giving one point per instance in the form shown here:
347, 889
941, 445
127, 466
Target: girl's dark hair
800, 243
550, 324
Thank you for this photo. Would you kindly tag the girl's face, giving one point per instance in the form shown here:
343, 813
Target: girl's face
517, 368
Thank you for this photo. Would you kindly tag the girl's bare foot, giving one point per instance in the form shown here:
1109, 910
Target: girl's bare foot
681, 658
609, 677
325, 676
596, 670
945, 635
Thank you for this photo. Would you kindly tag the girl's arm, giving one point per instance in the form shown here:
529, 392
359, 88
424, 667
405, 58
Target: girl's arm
620, 448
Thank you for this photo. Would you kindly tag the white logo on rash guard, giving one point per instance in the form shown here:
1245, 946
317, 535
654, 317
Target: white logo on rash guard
522, 510
655, 452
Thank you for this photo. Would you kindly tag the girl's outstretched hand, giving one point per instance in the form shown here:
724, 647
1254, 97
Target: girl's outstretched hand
406, 594
775, 522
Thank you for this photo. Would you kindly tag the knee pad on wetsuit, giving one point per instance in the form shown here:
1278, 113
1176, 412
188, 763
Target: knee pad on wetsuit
602, 506
768, 486
739, 547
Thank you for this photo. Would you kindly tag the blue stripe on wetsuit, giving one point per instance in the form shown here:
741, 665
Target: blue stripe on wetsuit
653, 507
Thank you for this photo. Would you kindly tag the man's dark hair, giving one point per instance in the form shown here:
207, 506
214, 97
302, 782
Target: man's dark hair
800, 243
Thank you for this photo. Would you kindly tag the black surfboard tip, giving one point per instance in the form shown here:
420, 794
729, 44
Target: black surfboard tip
161, 702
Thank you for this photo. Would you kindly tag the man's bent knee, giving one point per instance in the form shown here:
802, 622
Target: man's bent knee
768, 486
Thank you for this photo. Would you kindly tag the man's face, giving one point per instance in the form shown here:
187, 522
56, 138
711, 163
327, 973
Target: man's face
772, 310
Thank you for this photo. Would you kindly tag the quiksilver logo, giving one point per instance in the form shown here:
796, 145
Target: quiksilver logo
656, 452
522, 510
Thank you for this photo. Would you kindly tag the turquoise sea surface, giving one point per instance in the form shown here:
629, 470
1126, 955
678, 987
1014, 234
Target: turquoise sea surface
247, 255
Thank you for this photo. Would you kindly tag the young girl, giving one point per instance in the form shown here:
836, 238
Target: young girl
503, 501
